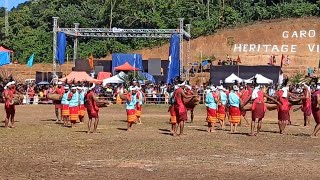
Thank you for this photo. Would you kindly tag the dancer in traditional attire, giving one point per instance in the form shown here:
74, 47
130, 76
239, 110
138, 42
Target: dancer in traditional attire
211, 103
82, 108
244, 95
92, 109
179, 107
189, 92
283, 108
130, 107
57, 103
9, 106
140, 99
306, 105
173, 117
65, 106
74, 106
234, 110
258, 109
222, 103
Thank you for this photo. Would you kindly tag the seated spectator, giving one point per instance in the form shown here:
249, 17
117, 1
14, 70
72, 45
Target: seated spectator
309, 71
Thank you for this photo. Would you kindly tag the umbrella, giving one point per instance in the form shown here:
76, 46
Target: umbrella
43, 83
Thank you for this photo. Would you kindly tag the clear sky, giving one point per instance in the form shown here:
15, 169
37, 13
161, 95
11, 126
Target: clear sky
11, 3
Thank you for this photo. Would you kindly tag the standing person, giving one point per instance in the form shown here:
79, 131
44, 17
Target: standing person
234, 110
140, 98
92, 109
211, 103
173, 117
221, 114
9, 107
130, 107
179, 107
57, 103
82, 108
244, 95
306, 105
258, 109
283, 108
65, 106
73, 106
189, 92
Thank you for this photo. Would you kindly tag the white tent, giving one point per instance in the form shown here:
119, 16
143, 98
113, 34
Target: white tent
112, 80
232, 78
260, 79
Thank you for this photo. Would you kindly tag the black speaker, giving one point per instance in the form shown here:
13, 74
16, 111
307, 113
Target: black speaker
154, 67
98, 69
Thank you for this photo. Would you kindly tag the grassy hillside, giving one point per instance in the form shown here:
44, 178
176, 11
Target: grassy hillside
31, 22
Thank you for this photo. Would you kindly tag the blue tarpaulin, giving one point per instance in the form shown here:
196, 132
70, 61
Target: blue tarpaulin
4, 58
61, 47
174, 59
134, 60
149, 77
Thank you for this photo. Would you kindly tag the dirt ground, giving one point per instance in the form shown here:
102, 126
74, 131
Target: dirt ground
40, 149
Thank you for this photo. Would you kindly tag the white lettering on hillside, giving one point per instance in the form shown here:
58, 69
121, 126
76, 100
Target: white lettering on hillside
284, 48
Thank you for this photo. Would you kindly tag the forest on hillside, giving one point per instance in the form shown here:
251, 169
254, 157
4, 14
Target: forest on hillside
30, 24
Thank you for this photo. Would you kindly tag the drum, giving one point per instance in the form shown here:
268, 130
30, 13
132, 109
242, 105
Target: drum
123, 97
247, 107
295, 101
271, 107
191, 102
55, 97
17, 99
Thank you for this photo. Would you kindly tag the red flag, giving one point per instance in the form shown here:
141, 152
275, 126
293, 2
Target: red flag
238, 59
90, 59
282, 58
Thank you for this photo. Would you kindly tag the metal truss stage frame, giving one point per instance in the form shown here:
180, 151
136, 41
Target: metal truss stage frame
77, 33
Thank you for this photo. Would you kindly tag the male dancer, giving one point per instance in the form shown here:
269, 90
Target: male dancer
92, 109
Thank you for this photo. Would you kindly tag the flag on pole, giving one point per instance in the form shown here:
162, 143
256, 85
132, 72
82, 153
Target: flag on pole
30, 61
238, 59
282, 58
91, 61
134, 61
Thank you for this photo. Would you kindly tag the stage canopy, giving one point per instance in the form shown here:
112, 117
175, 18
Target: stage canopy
3, 49
117, 79
126, 67
103, 75
4, 56
134, 60
232, 78
260, 79
79, 76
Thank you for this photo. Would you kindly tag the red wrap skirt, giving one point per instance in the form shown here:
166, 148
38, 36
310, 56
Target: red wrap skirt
316, 114
65, 110
258, 112
283, 115
235, 115
74, 113
82, 110
138, 110
58, 106
93, 113
10, 111
211, 115
173, 117
306, 110
221, 114
181, 113
131, 115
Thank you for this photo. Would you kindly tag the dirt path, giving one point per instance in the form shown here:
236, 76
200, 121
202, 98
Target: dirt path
40, 149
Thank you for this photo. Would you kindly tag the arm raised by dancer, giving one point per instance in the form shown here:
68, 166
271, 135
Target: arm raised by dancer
273, 99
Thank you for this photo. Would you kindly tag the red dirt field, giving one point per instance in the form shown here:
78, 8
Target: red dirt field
40, 149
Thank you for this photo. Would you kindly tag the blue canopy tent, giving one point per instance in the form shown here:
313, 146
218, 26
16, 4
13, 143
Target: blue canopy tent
134, 60
4, 56
149, 77
174, 59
